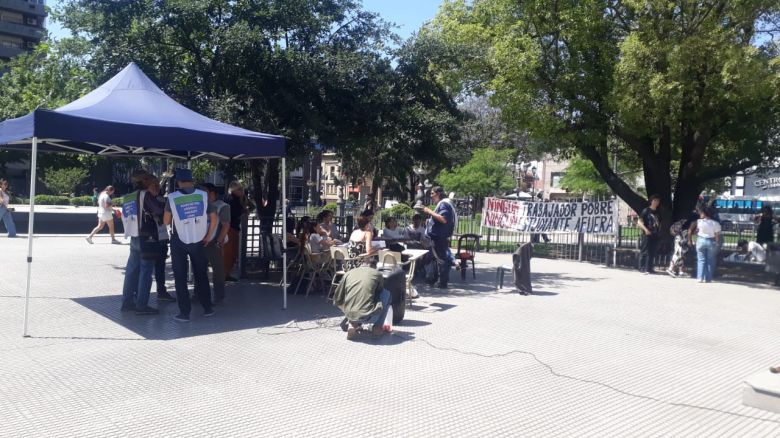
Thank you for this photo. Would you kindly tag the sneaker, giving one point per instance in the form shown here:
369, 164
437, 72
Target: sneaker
115, 242
165, 296
352, 333
377, 330
670, 272
701, 281
89, 240
344, 325
209, 312
147, 311
181, 318
645, 273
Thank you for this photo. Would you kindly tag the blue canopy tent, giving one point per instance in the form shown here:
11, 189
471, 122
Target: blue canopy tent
130, 116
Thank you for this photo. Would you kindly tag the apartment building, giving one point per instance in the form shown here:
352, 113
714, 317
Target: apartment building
21, 26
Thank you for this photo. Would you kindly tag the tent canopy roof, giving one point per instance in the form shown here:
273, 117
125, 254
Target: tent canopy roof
130, 116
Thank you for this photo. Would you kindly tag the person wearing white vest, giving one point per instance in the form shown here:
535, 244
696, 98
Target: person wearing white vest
186, 211
141, 212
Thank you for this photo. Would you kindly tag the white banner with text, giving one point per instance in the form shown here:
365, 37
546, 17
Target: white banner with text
590, 217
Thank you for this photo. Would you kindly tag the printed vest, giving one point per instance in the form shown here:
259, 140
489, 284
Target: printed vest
189, 215
130, 214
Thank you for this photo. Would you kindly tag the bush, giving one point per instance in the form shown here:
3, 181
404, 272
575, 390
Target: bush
331, 206
83, 201
399, 210
51, 200
19, 201
63, 181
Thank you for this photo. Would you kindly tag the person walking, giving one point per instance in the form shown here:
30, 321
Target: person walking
105, 215
216, 241
186, 210
142, 214
766, 226
6, 210
650, 224
238, 209
707, 232
439, 228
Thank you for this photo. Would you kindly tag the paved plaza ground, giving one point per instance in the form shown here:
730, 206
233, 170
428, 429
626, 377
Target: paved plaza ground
595, 352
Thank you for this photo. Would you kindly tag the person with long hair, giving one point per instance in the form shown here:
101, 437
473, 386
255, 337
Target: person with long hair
707, 232
5, 209
325, 226
105, 215
766, 225
360, 241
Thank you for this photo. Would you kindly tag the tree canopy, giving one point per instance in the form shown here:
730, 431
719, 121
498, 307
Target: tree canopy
687, 89
487, 173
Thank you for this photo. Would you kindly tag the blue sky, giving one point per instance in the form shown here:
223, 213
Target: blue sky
409, 15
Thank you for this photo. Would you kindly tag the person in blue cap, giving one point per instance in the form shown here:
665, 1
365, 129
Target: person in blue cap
187, 212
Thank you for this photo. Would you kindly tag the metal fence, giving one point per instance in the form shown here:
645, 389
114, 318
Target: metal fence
619, 249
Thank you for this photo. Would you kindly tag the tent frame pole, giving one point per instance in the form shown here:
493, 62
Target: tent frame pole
30, 233
284, 233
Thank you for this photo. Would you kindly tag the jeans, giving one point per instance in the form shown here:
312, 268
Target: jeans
215, 258
378, 317
138, 278
441, 254
706, 258
648, 248
159, 268
8, 220
181, 256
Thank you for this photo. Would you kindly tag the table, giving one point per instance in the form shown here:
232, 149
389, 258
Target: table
414, 255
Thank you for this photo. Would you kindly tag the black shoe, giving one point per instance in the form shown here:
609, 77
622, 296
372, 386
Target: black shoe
209, 312
181, 318
441, 285
231, 279
147, 311
128, 307
165, 296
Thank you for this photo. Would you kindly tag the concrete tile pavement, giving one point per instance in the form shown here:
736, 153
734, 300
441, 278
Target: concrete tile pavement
598, 352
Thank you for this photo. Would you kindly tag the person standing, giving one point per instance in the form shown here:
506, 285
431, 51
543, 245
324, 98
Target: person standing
142, 212
186, 211
766, 226
5, 209
162, 248
650, 224
105, 215
707, 232
440, 227
238, 209
217, 240
95, 196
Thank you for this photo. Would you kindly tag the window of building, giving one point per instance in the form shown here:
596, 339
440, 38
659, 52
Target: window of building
11, 17
555, 179
12, 42
32, 21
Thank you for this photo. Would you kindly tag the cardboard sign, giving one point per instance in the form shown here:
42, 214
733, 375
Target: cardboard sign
591, 217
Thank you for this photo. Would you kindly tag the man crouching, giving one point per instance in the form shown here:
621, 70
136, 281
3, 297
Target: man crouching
363, 299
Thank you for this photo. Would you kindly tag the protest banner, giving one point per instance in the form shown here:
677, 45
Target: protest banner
590, 217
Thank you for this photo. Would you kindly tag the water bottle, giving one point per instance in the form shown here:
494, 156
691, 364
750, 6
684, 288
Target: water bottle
388, 325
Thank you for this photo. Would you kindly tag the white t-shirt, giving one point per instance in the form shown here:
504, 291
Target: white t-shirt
315, 242
758, 251
707, 228
104, 204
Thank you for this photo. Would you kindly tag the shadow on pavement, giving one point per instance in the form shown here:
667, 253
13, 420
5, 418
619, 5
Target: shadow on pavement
247, 306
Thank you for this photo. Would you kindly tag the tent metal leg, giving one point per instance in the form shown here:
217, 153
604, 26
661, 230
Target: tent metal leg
284, 233
30, 234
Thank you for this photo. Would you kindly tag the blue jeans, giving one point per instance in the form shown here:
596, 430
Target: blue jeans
8, 220
196, 253
706, 258
440, 249
378, 317
138, 278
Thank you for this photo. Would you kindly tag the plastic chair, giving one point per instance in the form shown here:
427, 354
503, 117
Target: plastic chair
468, 245
388, 258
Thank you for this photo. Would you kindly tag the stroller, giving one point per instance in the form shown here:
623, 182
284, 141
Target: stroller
681, 247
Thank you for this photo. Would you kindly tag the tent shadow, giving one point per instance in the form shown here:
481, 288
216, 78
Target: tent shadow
247, 307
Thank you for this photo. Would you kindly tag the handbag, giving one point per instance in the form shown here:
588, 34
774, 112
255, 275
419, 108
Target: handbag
148, 236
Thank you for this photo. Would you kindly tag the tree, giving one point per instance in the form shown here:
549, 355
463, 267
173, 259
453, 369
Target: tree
581, 177
64, 181
688, 89
486, 173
